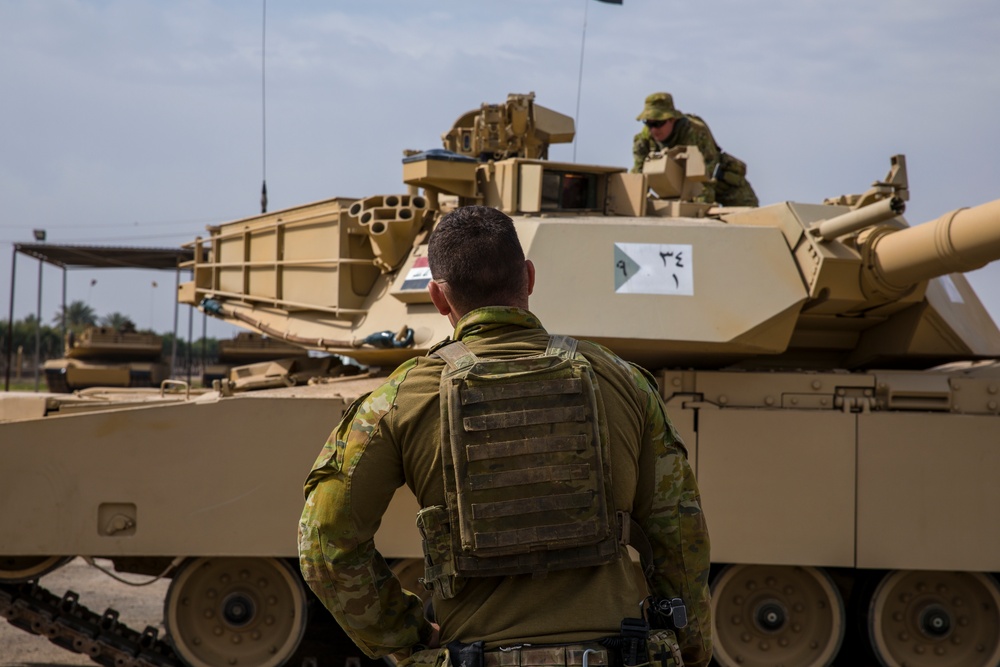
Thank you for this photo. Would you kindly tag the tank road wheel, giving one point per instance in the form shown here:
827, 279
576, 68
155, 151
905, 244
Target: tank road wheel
225, 612
944, 619
14, 569
776, 615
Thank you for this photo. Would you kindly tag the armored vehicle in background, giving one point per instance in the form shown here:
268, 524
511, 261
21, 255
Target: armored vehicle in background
107, 357
832, 373
247, 348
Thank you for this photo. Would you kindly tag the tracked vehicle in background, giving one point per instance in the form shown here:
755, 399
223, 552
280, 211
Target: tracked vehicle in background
247, 348
107, 357
834, 377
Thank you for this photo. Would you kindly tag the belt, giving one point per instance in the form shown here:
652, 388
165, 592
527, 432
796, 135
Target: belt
548, 656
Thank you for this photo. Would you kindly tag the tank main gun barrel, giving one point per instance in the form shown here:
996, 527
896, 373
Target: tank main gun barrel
963, 240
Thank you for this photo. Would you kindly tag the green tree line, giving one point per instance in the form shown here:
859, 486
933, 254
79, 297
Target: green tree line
79, 316
50, 338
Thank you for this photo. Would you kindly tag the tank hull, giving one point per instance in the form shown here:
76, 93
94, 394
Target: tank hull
858, 476
67, 375
839, 486
219, 477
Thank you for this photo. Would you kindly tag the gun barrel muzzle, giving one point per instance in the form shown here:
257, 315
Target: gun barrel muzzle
963, 240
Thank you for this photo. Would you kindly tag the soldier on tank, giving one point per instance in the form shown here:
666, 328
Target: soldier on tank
536, 460
665, 127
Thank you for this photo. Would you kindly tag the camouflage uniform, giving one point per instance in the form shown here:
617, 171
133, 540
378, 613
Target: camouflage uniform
729, 186
391, 437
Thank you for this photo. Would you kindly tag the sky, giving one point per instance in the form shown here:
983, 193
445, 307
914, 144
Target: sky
138, 122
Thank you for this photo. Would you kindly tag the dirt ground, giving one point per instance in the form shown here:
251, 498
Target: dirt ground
139, 606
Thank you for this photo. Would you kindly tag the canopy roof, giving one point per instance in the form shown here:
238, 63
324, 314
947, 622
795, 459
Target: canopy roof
105, 257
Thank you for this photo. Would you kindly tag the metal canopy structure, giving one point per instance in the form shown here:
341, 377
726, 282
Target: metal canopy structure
88, 257
105, 257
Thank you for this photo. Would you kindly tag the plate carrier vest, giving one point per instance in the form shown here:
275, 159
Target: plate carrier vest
527, 473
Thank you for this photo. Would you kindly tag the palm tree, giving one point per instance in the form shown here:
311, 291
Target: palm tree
79, 316
118, 322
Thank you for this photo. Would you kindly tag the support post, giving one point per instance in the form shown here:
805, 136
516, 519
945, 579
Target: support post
10, 319
38, 328
64, 305
173, 348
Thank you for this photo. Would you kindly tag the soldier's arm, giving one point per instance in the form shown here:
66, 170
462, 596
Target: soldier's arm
347, 492
640, 149
668, 507
702, 137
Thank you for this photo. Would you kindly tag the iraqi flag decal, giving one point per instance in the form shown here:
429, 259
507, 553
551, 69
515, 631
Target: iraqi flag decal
418, 276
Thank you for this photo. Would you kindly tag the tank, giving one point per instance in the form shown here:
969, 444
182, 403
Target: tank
107, 357
832, 373
246, 348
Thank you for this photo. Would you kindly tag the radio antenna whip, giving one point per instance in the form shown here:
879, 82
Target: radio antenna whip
579, 79
263, 111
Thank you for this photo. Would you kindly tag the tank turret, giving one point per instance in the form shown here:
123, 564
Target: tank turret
843, 284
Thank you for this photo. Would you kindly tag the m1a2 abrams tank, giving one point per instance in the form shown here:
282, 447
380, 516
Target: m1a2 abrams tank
832, 373
107, 357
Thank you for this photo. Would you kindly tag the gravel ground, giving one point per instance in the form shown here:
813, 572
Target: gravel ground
139, 606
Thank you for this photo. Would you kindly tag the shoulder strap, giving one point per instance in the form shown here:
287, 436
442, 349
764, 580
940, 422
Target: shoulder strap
561, 346
457, 355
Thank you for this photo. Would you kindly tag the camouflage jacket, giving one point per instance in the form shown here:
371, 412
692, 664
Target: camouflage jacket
391, 437
728, 187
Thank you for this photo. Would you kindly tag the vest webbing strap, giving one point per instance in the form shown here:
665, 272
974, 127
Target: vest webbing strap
547, 445
524, 418
522, 390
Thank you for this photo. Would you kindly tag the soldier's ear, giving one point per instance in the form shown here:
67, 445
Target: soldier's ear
439, 299
530, 268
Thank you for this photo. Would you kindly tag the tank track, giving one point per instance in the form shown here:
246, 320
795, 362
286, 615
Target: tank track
67, 623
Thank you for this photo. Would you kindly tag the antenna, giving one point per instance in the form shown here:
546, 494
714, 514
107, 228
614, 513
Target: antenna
263, 111
579, 80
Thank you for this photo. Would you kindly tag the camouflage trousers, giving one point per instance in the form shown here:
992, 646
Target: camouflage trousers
662, 651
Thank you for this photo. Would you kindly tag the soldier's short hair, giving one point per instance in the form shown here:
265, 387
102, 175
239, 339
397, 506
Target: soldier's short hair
474, 250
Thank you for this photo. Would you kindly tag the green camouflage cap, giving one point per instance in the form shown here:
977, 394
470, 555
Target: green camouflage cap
659, 106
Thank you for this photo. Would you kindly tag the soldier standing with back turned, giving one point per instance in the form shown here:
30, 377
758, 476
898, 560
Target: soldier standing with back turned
535, 461
665, 127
